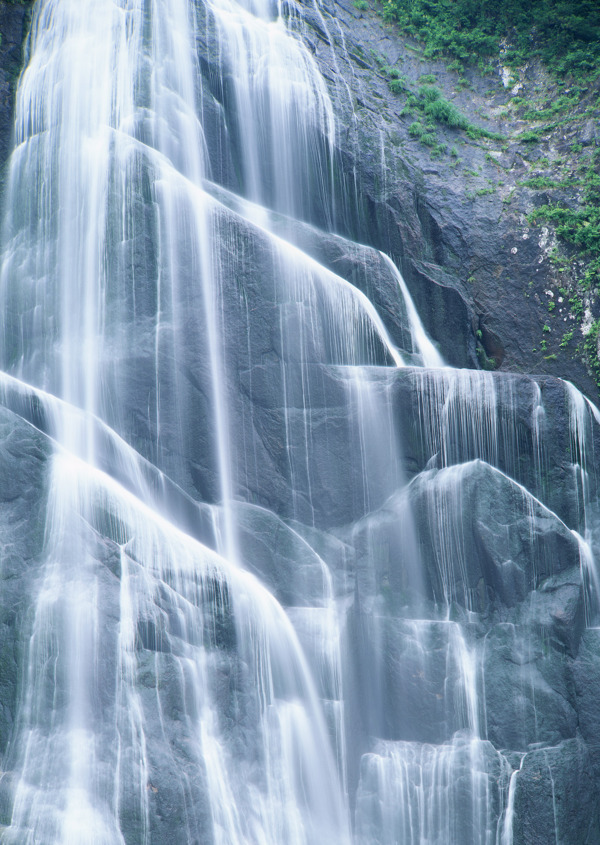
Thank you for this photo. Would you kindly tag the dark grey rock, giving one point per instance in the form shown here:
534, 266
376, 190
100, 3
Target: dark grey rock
23, 492
14, 19
556, 797
527, 689
471, 551
586, 672
465, 248
463, 567
590, 132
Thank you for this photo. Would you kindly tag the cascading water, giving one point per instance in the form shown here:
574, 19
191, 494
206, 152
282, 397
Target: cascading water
266, 558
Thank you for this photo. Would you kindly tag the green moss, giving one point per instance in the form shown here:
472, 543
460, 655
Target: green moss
485, 362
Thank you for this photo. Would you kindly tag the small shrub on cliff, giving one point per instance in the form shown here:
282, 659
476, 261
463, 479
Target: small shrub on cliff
529, 137
429, 94
397, 86
444, 112
429, 139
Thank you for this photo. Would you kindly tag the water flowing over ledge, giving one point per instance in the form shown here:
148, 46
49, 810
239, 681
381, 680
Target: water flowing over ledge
272, 573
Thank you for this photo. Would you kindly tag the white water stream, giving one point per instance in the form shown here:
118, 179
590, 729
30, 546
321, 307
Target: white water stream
188, 679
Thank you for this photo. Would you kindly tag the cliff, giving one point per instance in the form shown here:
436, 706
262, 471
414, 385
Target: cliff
494, 289
266, 582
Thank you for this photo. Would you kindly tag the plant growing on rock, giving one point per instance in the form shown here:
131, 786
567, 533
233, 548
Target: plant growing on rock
564, 34
578, 226
434, 106
397, 86
444, 112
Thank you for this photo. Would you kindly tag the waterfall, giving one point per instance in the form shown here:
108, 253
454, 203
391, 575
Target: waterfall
282, 559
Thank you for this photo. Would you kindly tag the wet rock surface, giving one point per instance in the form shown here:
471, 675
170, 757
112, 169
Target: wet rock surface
14, 20
24, 453
453, 527
456, 225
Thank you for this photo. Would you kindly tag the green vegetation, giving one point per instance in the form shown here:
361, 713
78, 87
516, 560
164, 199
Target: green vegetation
578, 226
434, 109
590, 346
530, 136
539, 183
564, 34
566, 339
397, 86
485, 362
576, 306
558, 106
442, 111
429, 139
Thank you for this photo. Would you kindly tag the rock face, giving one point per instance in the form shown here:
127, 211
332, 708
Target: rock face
456, 225
270, 573
481, 276
14, 20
